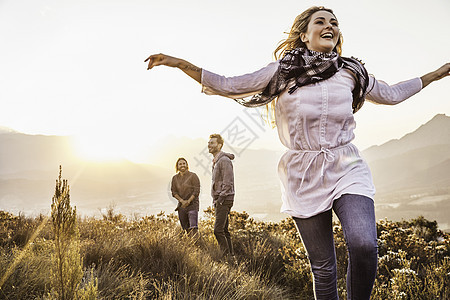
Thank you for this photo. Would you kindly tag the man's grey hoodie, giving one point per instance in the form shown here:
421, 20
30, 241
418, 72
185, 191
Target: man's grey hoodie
222, 186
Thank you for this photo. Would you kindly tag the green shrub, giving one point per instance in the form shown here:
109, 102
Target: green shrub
66, 272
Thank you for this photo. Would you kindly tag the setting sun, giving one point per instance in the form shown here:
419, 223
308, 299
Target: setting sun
110, 147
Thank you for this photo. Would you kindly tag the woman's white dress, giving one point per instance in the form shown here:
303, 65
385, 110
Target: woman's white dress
316, 124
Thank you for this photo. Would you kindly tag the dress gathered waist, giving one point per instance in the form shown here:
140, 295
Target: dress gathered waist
328, 156
322, 149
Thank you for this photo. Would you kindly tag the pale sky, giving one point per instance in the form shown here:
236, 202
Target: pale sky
71, 67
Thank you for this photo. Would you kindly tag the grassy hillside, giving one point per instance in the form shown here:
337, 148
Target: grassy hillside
151, 258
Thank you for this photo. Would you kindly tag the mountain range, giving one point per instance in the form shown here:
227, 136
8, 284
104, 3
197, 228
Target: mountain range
418, 159
412, 176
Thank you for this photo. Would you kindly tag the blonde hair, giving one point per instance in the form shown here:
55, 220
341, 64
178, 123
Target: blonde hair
294, 41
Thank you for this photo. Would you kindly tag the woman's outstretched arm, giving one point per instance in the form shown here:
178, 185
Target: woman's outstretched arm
383, 93
435, 75
161, 59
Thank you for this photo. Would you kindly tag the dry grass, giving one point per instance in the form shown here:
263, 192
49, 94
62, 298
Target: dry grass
151, 258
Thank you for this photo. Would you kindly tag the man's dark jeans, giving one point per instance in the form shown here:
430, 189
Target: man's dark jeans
221, 226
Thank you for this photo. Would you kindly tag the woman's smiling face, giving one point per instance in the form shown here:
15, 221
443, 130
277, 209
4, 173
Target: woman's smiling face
323, 32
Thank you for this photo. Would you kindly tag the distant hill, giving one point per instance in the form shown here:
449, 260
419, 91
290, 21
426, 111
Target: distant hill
22, 152
6, 130
397, 171
412, 174
398, 164
434, 132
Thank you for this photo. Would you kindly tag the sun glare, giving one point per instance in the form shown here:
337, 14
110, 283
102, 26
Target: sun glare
91, 148
105, 148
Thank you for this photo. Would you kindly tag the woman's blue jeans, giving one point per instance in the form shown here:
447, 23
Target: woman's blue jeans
188, 218
357, 216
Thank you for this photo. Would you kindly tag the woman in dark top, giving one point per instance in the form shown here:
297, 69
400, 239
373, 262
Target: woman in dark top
186, 188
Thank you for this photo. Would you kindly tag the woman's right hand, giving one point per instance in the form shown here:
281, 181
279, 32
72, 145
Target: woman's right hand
162, 59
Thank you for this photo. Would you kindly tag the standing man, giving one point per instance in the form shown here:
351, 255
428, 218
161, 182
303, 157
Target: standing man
222, 191
186, 188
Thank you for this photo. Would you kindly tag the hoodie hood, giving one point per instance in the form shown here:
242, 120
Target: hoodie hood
221, 154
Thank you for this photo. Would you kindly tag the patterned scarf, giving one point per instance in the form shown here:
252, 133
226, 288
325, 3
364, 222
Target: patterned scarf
305, 67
